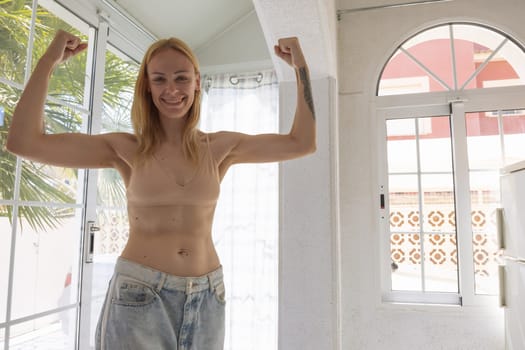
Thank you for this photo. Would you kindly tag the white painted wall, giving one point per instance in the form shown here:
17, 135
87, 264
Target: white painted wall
366, 39
308, 259
308, 238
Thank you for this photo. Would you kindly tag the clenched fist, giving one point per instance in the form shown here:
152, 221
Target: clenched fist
64, 46
290, 51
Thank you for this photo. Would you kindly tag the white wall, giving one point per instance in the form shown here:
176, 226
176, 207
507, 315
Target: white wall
308, 238
366, 39
308, 259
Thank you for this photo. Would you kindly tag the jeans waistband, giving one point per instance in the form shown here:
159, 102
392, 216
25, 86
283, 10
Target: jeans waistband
159, 280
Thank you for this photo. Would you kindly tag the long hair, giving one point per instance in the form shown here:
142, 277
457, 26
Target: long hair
145, 115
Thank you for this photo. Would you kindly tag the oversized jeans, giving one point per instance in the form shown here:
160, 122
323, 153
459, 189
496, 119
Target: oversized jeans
151, 310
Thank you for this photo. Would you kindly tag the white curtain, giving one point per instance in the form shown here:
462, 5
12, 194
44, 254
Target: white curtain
246, 219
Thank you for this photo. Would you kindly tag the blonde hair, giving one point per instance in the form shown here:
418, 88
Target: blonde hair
145, 115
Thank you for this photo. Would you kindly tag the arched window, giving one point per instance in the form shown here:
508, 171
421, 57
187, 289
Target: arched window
453, 57
451, 100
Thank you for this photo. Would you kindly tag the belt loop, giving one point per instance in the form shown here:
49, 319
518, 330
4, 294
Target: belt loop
162, 281
210, 281
189, 285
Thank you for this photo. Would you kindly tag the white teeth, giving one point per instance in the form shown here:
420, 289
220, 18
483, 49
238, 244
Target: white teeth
173, 101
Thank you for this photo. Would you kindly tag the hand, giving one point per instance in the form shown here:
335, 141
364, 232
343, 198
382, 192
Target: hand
290, 51
64, 46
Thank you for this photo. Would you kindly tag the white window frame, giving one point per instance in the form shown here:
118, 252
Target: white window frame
456, 104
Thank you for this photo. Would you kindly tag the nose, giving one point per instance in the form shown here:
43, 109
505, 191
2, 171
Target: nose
171, 87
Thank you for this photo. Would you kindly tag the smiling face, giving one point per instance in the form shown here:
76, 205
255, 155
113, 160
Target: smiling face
172, 82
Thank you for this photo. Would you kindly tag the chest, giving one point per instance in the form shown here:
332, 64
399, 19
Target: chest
158, 183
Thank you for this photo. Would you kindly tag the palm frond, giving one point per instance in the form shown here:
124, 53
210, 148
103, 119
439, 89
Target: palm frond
37, 182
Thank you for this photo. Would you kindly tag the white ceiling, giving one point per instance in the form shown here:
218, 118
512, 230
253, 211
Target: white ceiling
197, 22
227, 34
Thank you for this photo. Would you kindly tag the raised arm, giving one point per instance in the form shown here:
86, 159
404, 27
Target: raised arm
27, 136
300, 141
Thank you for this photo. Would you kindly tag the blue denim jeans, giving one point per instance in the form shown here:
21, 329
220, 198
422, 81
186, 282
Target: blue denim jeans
151, 310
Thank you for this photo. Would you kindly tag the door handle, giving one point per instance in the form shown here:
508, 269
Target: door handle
502, 286
500, 227
92, 228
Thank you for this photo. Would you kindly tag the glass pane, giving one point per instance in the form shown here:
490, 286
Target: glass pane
405, 227
68, 82
7, 174
435, 147
440, 251
119, 84
474, 47
9, 97
432, 48
114, 231
44, 183
2, 338
483, 140
15, 22
484, 190
406, 261
5, 249
403, 76
403, 191
401, 140
46, 259
500, 71
438, 203
441, 263
513, 136
56, 331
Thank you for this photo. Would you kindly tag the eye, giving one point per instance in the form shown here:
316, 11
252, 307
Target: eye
182, 78
158, 80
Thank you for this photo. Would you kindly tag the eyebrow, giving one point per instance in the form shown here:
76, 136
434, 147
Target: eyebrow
177, 72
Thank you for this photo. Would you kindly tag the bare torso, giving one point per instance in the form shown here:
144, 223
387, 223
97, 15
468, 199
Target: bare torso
171, 204
157, 240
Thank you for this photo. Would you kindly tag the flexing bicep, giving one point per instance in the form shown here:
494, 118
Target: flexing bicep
262, 148
72, 150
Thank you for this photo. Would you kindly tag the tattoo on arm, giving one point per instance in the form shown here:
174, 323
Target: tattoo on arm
307, 91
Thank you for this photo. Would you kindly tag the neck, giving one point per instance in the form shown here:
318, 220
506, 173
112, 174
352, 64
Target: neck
173, 131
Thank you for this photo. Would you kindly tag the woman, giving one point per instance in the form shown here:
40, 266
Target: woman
167, 290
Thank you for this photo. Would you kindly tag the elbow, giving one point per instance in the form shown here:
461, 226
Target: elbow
313, 148
12, 145
310, 148
307, 148
15, 145
303, 146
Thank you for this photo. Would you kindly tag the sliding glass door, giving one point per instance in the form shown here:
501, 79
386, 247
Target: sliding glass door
41, 207
60, 229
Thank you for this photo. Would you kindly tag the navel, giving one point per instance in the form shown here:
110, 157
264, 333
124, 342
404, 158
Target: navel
183, 252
